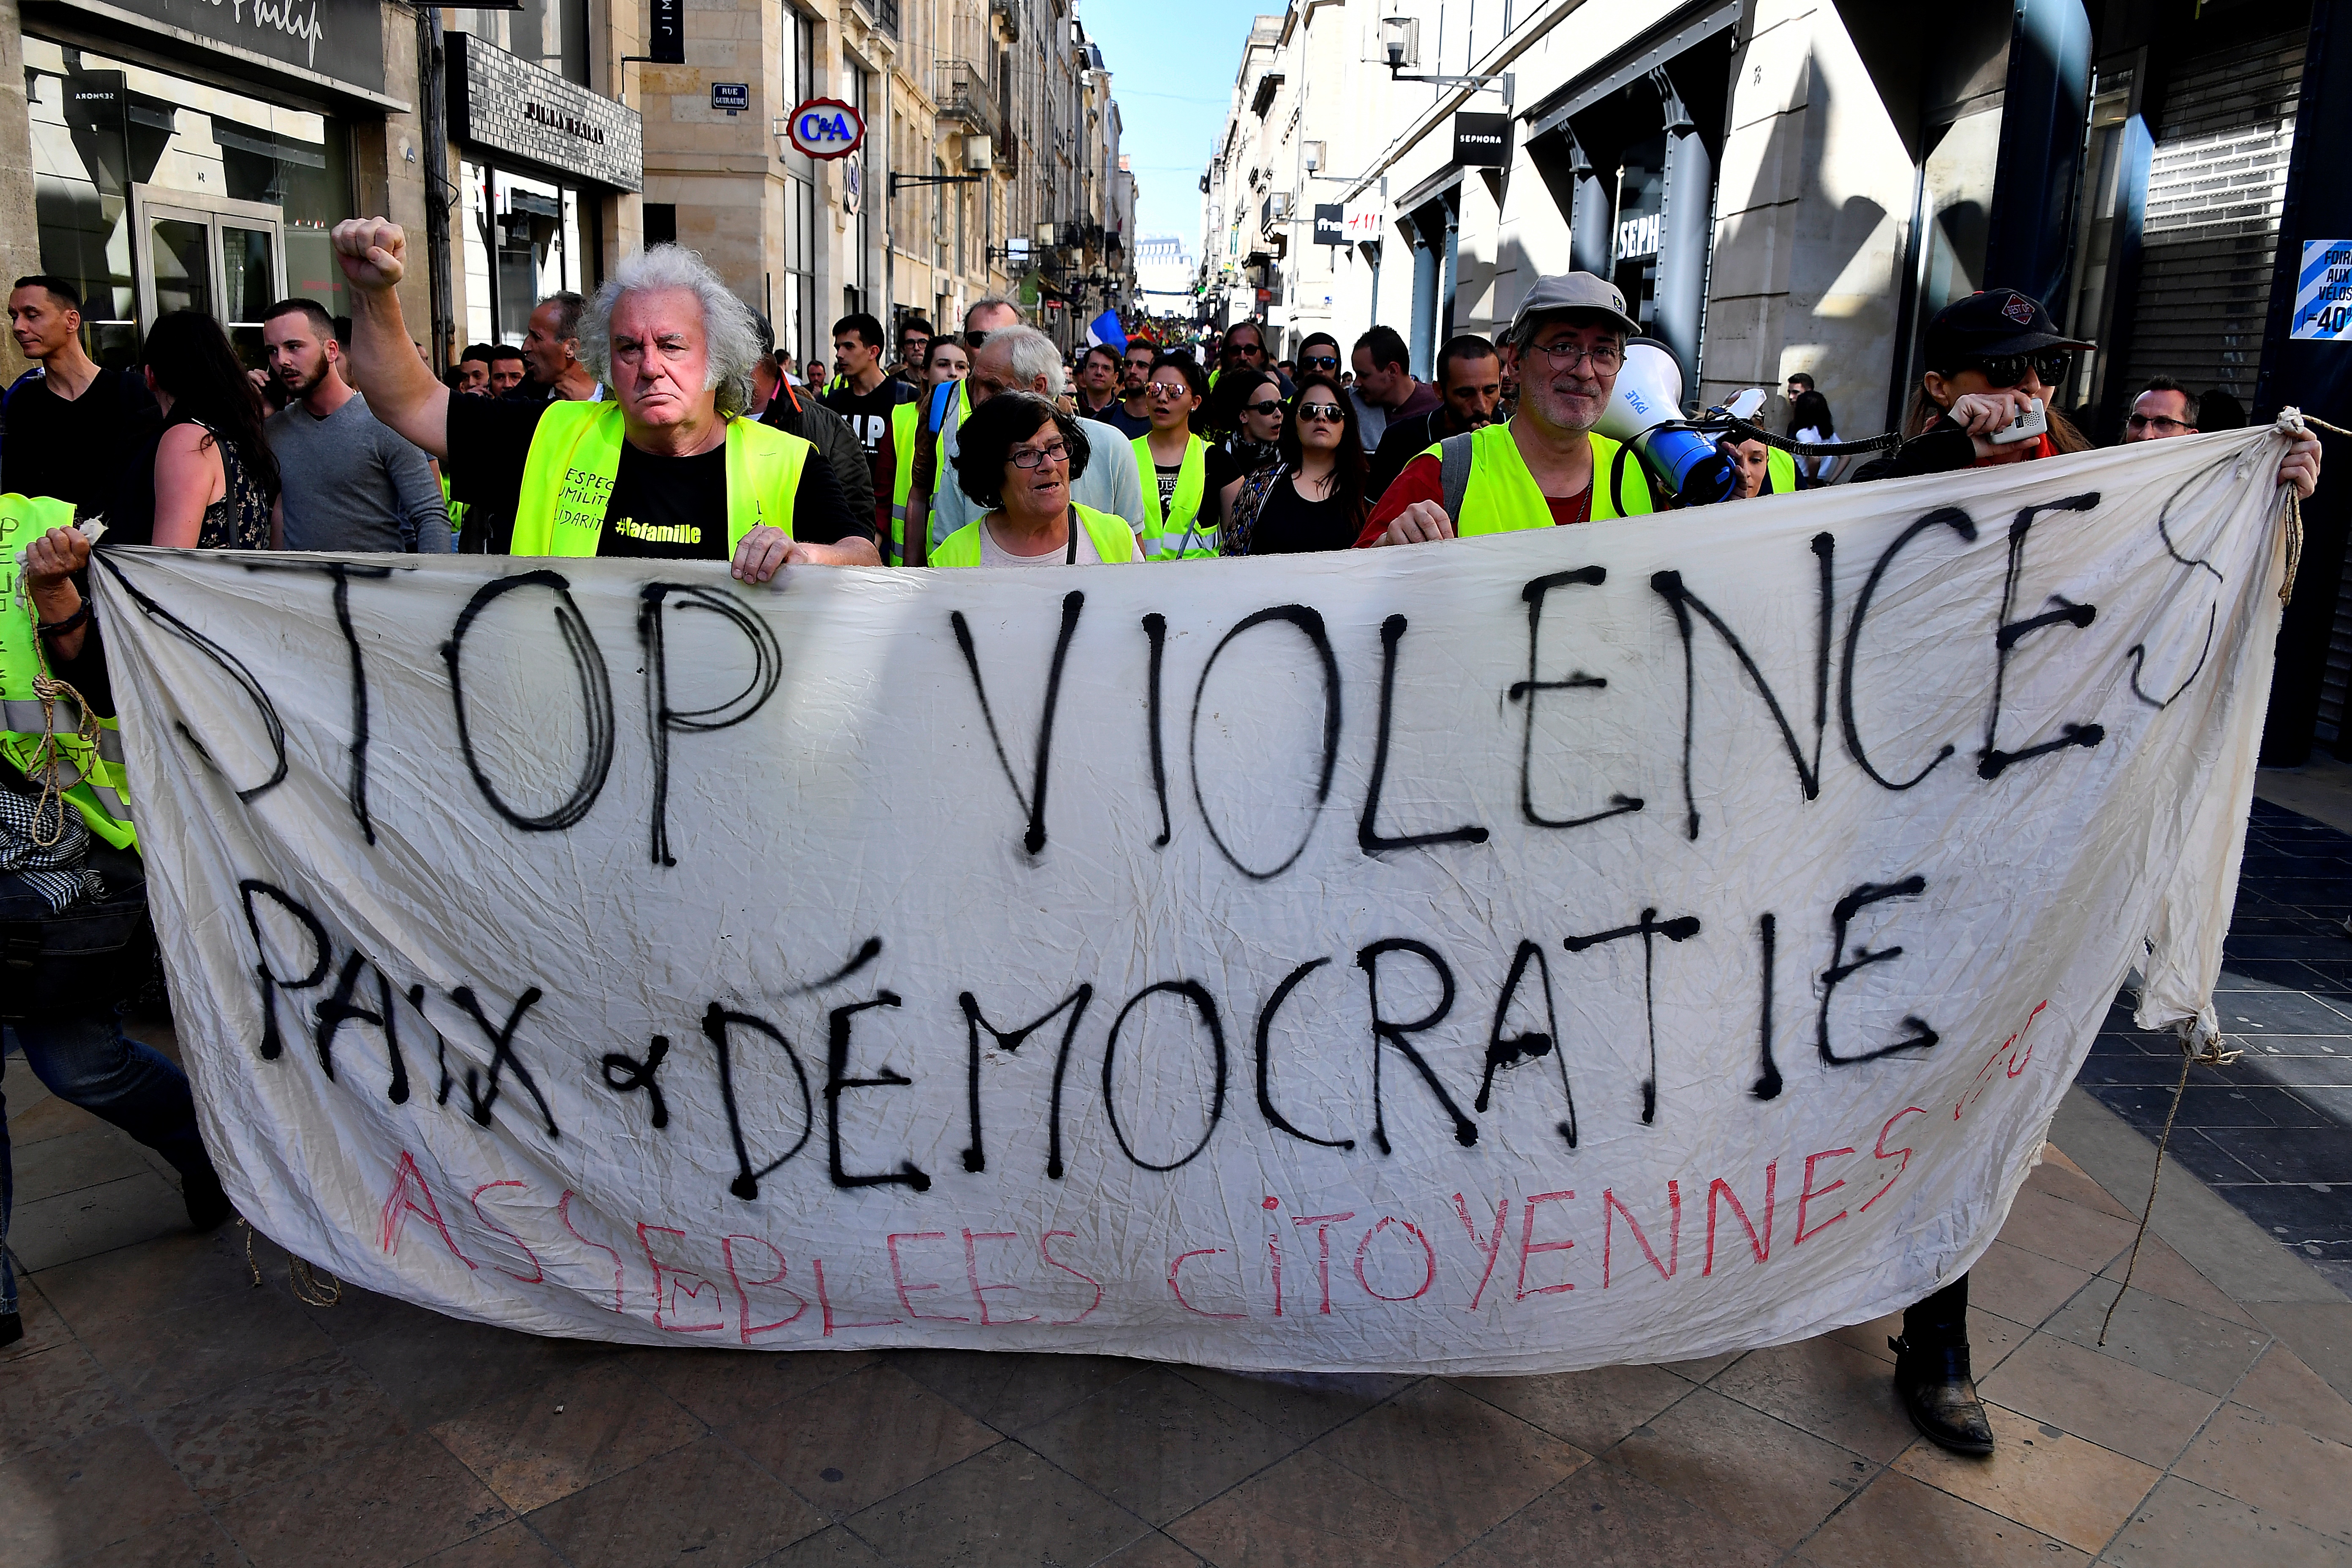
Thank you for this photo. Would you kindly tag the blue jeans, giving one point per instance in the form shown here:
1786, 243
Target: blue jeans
89, 1062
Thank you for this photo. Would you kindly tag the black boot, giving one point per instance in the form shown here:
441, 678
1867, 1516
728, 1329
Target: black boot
1940, 1396
208, 1207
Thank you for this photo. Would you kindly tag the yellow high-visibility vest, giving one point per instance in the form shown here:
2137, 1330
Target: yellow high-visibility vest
575, 455
1503, 496
1175, 534
1110, 536
46, 741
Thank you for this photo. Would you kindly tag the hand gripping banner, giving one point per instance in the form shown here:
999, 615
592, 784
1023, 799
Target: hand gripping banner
1614, 943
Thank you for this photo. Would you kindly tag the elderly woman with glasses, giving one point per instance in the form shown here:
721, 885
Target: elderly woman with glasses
1017, 455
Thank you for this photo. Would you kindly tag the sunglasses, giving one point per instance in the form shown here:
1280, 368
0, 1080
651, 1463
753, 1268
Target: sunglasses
1270, 407
1322, 411
2142, 421
1320, 362
2049, 365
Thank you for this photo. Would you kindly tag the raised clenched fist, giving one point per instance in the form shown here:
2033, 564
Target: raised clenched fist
371, 250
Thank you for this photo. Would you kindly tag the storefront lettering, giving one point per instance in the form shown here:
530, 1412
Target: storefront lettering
556, 119
287, 17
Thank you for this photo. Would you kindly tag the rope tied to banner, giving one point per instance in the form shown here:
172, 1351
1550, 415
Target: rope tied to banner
311, 1287
49, 762
2295, 422
2201, 1046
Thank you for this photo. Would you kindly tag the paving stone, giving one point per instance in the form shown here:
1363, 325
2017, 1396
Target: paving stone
2182, 1525
1157, 1445
570, 1433
1307, 1513
860, 1439
63, 1503
2117, 1407
2282, 1388
1457, 1461
393, 1503
2068, 1488
276, 1427
1591, 1409
2159, 1336
1007, 1508
1761, 1475
1607, 1517
1829, 1389
2266, 1464
704, 1503
1900, 1520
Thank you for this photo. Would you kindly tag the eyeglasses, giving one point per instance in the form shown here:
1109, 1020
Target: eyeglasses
1272, 405
1566, 355
1323, 410
1170, 389
2049, 366
1257, 349
2142, 421
1030, 457
1319, 362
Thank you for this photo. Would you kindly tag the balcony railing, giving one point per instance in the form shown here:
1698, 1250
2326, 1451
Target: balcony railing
961, 89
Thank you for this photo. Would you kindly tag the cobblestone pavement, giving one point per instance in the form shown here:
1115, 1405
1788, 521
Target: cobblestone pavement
163, 1411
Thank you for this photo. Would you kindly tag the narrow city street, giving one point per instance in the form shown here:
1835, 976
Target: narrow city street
163, 1410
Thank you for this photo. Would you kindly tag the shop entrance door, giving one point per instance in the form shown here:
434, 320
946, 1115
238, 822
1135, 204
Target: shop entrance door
197, 252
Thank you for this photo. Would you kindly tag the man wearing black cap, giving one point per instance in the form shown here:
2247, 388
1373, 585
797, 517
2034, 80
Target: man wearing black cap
1993, 353
1988, 357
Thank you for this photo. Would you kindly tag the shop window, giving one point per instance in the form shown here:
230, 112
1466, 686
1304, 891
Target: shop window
523, 240
154, 192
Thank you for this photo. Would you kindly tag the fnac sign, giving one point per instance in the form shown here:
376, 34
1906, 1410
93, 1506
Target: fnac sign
827, 127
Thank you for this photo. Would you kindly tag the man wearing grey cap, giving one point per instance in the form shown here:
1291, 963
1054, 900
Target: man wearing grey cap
1547, 464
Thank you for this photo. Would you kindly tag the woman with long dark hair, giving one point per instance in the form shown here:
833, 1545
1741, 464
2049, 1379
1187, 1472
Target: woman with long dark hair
207, 480
1313, 496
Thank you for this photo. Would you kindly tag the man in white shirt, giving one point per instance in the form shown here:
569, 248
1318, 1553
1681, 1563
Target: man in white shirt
1023, 359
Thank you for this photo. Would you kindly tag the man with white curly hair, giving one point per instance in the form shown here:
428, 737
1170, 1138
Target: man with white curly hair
668, 467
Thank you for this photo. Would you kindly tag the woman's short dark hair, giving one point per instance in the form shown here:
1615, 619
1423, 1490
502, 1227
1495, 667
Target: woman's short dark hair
943, 340
985, 439
191, 359
1353, 473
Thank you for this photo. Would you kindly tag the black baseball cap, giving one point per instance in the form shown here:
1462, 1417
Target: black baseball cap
1992, 322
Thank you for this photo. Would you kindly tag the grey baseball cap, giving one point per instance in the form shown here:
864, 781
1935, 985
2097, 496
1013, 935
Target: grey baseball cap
1574, 291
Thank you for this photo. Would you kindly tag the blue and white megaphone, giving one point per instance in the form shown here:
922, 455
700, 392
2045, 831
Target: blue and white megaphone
1650, 395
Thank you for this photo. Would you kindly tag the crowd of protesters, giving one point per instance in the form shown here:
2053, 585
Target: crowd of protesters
657, 420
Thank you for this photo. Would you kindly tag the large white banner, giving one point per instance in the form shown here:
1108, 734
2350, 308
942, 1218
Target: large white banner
1612, 943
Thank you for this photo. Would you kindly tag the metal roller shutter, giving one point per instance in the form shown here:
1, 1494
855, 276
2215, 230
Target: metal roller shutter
2214, 188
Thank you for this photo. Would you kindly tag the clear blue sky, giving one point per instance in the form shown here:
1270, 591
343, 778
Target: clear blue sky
1172, 64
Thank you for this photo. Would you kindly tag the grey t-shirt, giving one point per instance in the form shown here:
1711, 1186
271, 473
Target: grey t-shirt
351, 484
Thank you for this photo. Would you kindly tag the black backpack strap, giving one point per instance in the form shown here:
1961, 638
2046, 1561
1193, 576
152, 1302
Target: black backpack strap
1617, 479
